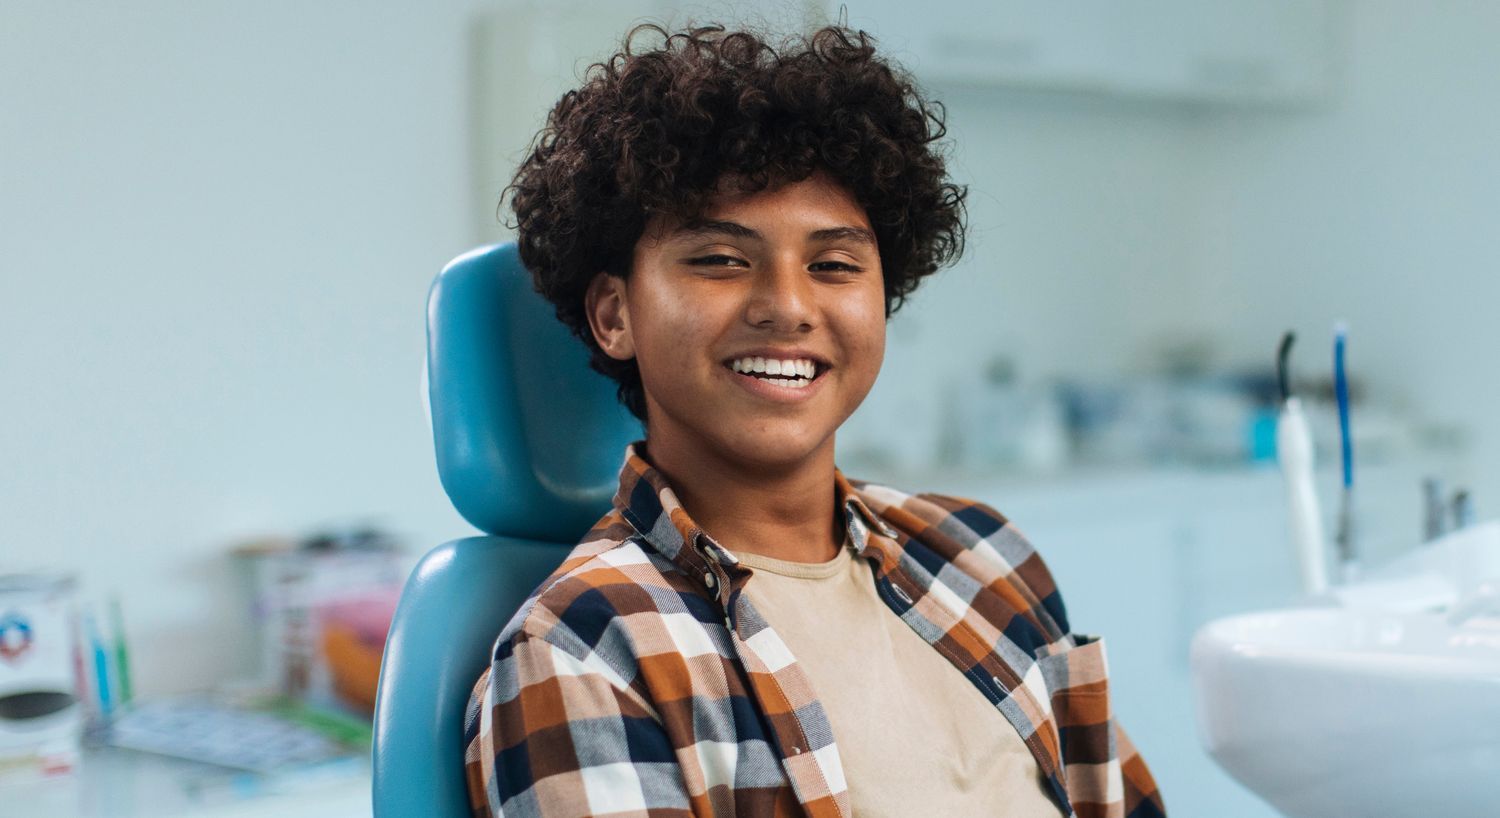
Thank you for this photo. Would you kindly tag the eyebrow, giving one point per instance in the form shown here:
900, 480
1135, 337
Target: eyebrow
707, 227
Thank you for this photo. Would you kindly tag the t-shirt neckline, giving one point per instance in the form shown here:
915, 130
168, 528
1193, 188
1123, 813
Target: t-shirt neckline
799, 570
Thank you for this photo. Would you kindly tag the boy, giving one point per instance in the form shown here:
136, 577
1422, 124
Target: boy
728, 226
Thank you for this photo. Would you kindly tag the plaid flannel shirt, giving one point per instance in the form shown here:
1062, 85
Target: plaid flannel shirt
639, 680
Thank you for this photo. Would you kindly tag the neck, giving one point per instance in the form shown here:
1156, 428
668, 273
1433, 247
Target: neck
784, 510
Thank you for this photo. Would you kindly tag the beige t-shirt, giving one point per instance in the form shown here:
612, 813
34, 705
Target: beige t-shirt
915, 737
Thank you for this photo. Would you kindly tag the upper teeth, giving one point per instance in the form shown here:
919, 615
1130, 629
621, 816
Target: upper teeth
803, 368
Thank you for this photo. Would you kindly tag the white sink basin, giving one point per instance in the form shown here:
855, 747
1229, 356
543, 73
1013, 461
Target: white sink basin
1354, 714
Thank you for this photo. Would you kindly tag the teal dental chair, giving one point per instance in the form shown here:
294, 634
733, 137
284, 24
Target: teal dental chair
529, 444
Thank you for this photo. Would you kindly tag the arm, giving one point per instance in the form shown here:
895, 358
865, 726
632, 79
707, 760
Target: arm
555, 733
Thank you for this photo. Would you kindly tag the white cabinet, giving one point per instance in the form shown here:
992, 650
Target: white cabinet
1239, 50
1226, 51
1008, 42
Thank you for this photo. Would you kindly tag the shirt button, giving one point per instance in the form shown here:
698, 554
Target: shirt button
708, 578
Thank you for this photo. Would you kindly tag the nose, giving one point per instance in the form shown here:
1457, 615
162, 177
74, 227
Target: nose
781, 298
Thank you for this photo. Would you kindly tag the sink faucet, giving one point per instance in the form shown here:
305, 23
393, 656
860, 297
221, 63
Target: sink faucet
1463, 509
1434, 515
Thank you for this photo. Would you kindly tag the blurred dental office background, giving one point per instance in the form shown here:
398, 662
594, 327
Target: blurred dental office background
220, 221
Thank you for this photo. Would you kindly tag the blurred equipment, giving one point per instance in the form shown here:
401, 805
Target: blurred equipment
1347, 554
40, 714
1441, 515
322, 609
1197, 419
201, 729
1434, 510
529, 443
1004, 424
1294, 450
1463, 509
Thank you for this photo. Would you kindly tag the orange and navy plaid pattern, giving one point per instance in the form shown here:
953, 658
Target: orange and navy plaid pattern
639, 680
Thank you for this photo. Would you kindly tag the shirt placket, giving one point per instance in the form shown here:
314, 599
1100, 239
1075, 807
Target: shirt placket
780, 687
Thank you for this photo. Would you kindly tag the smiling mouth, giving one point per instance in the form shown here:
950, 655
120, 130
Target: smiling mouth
790, 374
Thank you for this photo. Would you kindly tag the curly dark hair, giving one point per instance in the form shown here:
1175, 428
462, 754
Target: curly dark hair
654, 130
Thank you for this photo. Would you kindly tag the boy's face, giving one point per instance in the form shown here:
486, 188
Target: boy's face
789, 273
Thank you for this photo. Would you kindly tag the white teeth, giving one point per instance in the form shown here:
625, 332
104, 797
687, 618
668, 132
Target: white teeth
803, 368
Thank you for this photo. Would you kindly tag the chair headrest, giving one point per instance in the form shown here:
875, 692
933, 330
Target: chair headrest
529, 439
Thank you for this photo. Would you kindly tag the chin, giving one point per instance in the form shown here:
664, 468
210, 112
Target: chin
772, 445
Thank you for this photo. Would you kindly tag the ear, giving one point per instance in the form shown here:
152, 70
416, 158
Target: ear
609, 316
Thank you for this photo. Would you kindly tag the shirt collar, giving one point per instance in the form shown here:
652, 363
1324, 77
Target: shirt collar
650, 505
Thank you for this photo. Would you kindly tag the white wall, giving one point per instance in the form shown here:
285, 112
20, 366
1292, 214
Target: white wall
1072, 243
1380, 209
220, 220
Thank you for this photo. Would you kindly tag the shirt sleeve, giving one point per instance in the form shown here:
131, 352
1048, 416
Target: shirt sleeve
1142, 798
554, 732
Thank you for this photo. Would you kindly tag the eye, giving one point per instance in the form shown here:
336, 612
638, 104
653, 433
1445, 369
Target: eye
833, 267
717, 260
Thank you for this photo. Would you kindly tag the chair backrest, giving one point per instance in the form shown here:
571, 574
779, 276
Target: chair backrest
529, 443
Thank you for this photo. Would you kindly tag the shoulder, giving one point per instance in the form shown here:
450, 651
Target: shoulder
940, 530
964, 517
944, 519
609, 592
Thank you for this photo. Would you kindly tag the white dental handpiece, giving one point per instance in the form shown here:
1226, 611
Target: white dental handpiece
1294, 452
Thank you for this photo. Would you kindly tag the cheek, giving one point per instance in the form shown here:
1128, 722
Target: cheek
667, 332
863, 330
873, 354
